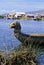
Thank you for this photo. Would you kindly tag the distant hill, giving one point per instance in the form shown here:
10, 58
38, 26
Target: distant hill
30, 12
4, 13
35, 12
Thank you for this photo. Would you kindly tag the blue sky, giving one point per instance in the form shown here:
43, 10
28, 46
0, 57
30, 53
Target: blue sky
21, 5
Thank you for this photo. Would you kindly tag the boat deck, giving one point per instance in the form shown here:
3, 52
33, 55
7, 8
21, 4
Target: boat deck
40, 35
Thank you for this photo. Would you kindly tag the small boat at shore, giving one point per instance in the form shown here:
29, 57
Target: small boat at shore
37, 19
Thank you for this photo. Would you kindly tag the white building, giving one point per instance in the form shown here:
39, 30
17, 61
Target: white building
19, 14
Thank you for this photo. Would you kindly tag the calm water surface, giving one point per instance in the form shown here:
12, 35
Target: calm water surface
8, 41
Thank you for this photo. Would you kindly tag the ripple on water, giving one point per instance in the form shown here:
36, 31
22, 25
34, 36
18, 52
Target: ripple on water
40, 58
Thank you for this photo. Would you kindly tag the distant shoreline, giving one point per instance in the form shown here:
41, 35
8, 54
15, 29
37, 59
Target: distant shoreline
23, 16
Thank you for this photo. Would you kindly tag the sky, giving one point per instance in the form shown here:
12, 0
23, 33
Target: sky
21, 5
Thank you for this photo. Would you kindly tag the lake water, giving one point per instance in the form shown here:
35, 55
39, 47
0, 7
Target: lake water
8, 40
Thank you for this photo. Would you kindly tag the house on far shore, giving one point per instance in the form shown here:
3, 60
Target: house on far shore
20, 15
42, 16
16, 15
37, 17
10, 16
29, 16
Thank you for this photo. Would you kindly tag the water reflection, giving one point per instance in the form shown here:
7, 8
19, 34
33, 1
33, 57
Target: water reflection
40, 57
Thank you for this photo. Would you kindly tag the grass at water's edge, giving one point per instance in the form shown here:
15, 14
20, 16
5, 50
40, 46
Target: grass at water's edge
23, 55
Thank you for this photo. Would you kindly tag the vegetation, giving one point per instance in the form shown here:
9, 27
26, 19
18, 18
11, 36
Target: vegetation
23, 55
2, 16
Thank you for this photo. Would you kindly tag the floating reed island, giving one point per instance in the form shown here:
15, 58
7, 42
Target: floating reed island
22, 56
